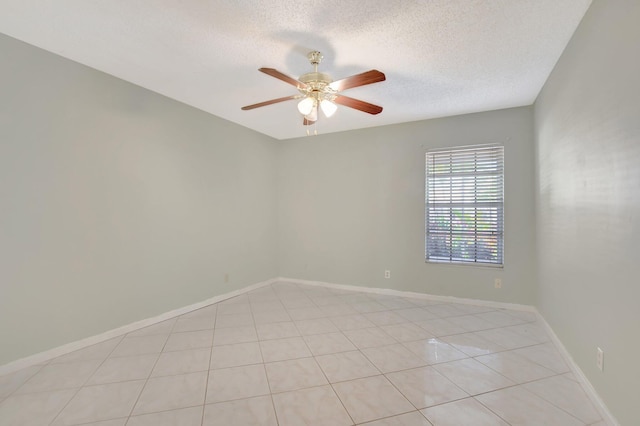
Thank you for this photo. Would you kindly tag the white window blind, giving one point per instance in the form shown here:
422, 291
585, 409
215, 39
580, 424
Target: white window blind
464, 205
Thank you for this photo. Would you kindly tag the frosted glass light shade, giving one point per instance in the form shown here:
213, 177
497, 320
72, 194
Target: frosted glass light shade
313, 114
306, 105
328, 107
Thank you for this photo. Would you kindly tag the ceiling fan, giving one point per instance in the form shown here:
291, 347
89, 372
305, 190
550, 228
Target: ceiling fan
319, 90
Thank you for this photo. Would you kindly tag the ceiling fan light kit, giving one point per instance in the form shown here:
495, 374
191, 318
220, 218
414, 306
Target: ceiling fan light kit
317, 89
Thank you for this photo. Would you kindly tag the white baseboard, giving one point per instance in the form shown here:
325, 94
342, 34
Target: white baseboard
92, 340
577, 371
425, 296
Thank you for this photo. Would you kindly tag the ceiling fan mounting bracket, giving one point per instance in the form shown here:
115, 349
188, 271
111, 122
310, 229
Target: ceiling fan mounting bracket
315, 57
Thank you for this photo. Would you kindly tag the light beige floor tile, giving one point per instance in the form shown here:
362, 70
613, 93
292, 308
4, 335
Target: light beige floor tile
266, 306
330, 343
523, 315
393, 358
294, 374
566, 394
346, 366
113, 422
278, 330
122, 369
513, 337
236, 308
351, 322
182, 362
189, 340
414, 418
384, 318
472, 376
10, 382
396, 302
313, 406
515, 367
193, 324
325, 299
441, 327
369, 337
191, 416
472, 322
305, 313
237, 383
256, 411
283, 349
98, 351
472, 344
134, 345
33, 409
234, 320
518, 406
371, 398
425, 387
445, 310
546, 355
337, 310
415, 314
500, 319
316, 326
468, 309
171, 392
532, 330
232, 335
368, 307
406, 332
226, 356
271, 317
59, 376
434, 351
464, 412
100, 402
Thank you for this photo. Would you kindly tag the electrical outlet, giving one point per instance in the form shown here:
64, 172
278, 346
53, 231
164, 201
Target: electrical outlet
497, 283
387, 274
600, 359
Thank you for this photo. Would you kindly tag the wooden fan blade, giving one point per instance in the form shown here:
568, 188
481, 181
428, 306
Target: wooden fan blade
358, 104
272, 101
369, 77
281, 76
307, 122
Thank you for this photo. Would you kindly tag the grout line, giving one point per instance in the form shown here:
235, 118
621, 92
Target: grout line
88, 378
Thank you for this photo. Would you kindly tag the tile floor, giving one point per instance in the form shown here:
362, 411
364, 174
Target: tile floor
292, 354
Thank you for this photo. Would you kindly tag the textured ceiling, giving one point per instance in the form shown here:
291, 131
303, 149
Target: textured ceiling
441, 57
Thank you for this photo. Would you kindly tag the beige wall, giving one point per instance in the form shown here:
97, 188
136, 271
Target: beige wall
118, 204
351, 205
588, 200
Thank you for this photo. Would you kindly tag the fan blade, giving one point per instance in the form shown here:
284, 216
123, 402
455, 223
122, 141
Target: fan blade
369, 77
280, 76
272, 101
306, 122
358, 104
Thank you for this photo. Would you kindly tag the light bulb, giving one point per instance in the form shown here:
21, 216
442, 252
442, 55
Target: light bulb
328, 107
306, 105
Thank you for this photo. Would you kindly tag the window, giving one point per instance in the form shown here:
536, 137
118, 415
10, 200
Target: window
464, 205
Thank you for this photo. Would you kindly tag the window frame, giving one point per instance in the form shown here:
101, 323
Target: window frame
499, 212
